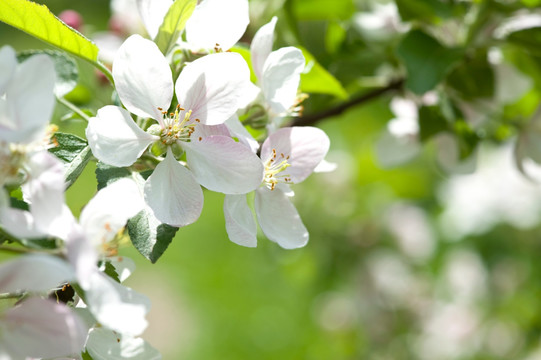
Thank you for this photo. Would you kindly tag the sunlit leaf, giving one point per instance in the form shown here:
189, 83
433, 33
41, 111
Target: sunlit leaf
38, 21
317, 79
174, 23
323, 9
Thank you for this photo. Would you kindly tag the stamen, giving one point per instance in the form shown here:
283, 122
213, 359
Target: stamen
274, 168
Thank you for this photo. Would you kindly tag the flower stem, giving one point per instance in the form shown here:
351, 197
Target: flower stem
105, 71
6, 296
73, 108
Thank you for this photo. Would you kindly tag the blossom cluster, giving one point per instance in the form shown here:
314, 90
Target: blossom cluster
180, 125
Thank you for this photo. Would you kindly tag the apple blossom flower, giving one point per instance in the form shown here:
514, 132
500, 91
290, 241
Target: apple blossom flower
289, 155
278, 73
209, 91
214, 23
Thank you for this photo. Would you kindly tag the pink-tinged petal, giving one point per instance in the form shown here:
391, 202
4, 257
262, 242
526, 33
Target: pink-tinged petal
35, 273
214, 86
152, 13
305, 146
173, 194
106, 344
30, 100
239, 221
115, 306
281, 77
143, 78
217, 22
221, 164
45, 189
8, 64
202, 131
240, 132
279, 219
39, 328
109, 210
114, 137
261, 46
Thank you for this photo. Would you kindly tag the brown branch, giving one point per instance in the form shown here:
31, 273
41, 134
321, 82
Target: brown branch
313, 118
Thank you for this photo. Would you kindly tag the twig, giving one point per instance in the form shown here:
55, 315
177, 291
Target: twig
337, 110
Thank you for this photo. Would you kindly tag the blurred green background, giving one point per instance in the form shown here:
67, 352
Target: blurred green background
392, 270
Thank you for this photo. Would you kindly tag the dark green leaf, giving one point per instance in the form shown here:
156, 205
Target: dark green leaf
149, 236
107, 174
18, 204
529, 39
426, 60
38, 21
424, 10
173, 24
65, 67
75, 153
473, 78
431, 122
109, 269
86, 356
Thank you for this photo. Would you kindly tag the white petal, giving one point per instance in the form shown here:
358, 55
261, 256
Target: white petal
30, 100
239, 221
45, 189
305, 146
262, 46
83, 256
217, 22
152, 13
20, 223
325, 166
173, 194
279, 219
143, 78
202, 130
115, 306
35, 272
281, 77
109, 210
239, 131
41, 328
221, 164
106, 344
8, 63
114, 137
214, 86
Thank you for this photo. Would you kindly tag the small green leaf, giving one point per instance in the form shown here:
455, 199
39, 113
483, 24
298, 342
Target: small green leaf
423, 10
109, 270
318, 80
529, 39
107, 174
39, 22
426, 60
431, 122
149, 236
65, 67
473, 78
75, 153
86, 355
174, 23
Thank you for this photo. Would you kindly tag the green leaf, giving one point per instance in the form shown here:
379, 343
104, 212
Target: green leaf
173, 24
318, 80
323, 9
109, 269
431, 122
39, 22
65, 67
86, 356
74, 152
426, 60
529, 39
149, 236
473, 78
107, 174
424, 10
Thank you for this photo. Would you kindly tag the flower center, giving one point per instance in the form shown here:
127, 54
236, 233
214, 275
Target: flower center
12, 159
273, 167
177, 127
